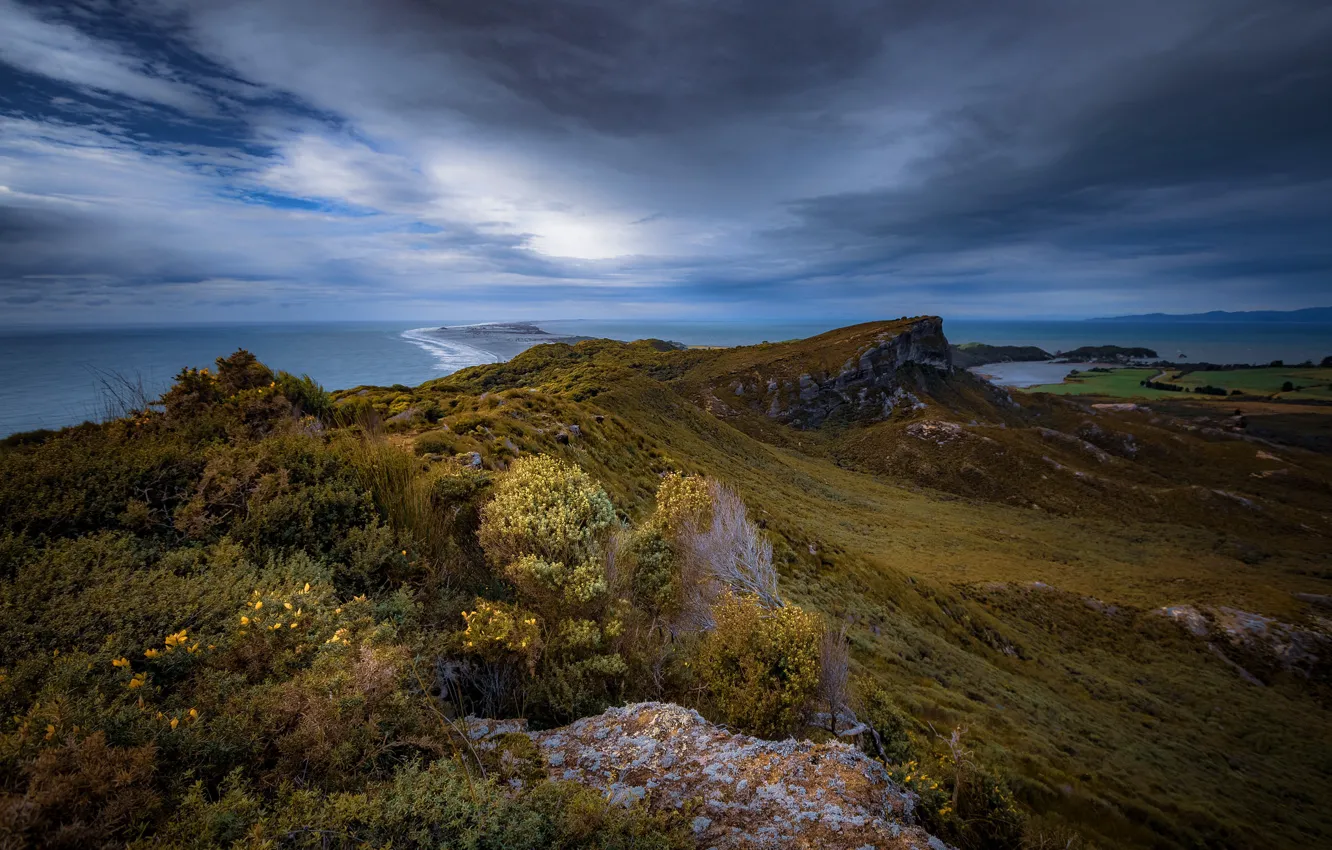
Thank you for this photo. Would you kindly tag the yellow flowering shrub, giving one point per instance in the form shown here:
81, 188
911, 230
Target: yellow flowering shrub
496, 631
683, 500
760, 667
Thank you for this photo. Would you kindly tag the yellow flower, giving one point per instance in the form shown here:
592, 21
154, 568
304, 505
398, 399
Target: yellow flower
212, 646
286, 605
137, 681
337, 610
50, 731
175, 721
194, 714
258, 604
404, 551
120, 662
193, 649
307, 588
245, 621
298, 612
293, 624
150, 653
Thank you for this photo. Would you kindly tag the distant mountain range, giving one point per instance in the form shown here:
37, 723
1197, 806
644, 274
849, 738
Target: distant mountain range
1308, 314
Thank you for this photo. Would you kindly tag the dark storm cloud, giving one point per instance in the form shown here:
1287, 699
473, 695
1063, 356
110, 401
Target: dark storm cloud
670, 156
1236, 108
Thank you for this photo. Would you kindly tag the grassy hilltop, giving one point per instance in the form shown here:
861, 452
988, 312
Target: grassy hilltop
524, 538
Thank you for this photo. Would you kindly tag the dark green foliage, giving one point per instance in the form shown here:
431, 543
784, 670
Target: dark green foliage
286, 492
890, 739
655, 568
27, 438
241, 371
422, 807
433, 442
1109, 352
306, 395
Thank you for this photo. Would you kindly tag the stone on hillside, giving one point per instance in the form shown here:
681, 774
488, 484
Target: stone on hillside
746, 792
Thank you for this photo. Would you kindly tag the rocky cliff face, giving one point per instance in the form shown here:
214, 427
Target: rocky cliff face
739, 792
883, 367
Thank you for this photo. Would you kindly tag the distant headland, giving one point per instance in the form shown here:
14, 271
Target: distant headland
1307, 315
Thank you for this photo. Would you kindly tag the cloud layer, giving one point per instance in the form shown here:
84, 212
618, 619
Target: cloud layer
173, 160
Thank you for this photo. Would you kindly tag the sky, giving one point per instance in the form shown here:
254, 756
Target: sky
277, 160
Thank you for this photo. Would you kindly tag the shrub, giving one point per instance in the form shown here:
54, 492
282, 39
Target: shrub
306, 395
242, 371
285, 492
556, 587
890, 729
192, 391
760, 667
959, 801
728, 553
81, 793
433, 443
652, 567
683, 501
469, 423
547, 508
421, 808
498, 632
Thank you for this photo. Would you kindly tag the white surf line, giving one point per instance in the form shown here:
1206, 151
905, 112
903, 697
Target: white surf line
449, 355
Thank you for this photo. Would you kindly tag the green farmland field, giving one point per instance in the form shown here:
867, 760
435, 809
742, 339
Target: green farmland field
1309, 383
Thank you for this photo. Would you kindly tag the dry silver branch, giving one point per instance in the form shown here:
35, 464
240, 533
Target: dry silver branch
729, 553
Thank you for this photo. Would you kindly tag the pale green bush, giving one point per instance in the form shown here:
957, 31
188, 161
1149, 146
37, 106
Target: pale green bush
547, 508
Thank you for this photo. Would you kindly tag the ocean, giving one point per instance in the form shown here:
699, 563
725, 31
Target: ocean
53, 378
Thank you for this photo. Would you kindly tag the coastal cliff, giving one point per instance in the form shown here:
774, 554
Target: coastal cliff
861, 373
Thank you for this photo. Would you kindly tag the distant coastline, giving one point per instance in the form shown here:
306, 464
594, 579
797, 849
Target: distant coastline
459, 346
1308, 315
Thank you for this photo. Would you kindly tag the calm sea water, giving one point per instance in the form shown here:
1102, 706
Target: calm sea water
49, 379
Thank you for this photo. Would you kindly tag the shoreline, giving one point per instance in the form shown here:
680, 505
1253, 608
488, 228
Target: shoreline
457, 347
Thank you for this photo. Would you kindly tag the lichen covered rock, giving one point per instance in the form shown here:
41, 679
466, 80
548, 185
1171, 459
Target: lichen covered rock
738, 791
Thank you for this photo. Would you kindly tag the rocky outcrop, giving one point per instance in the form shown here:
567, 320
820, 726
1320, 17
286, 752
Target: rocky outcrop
1249, 641
879, 377
736, 791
